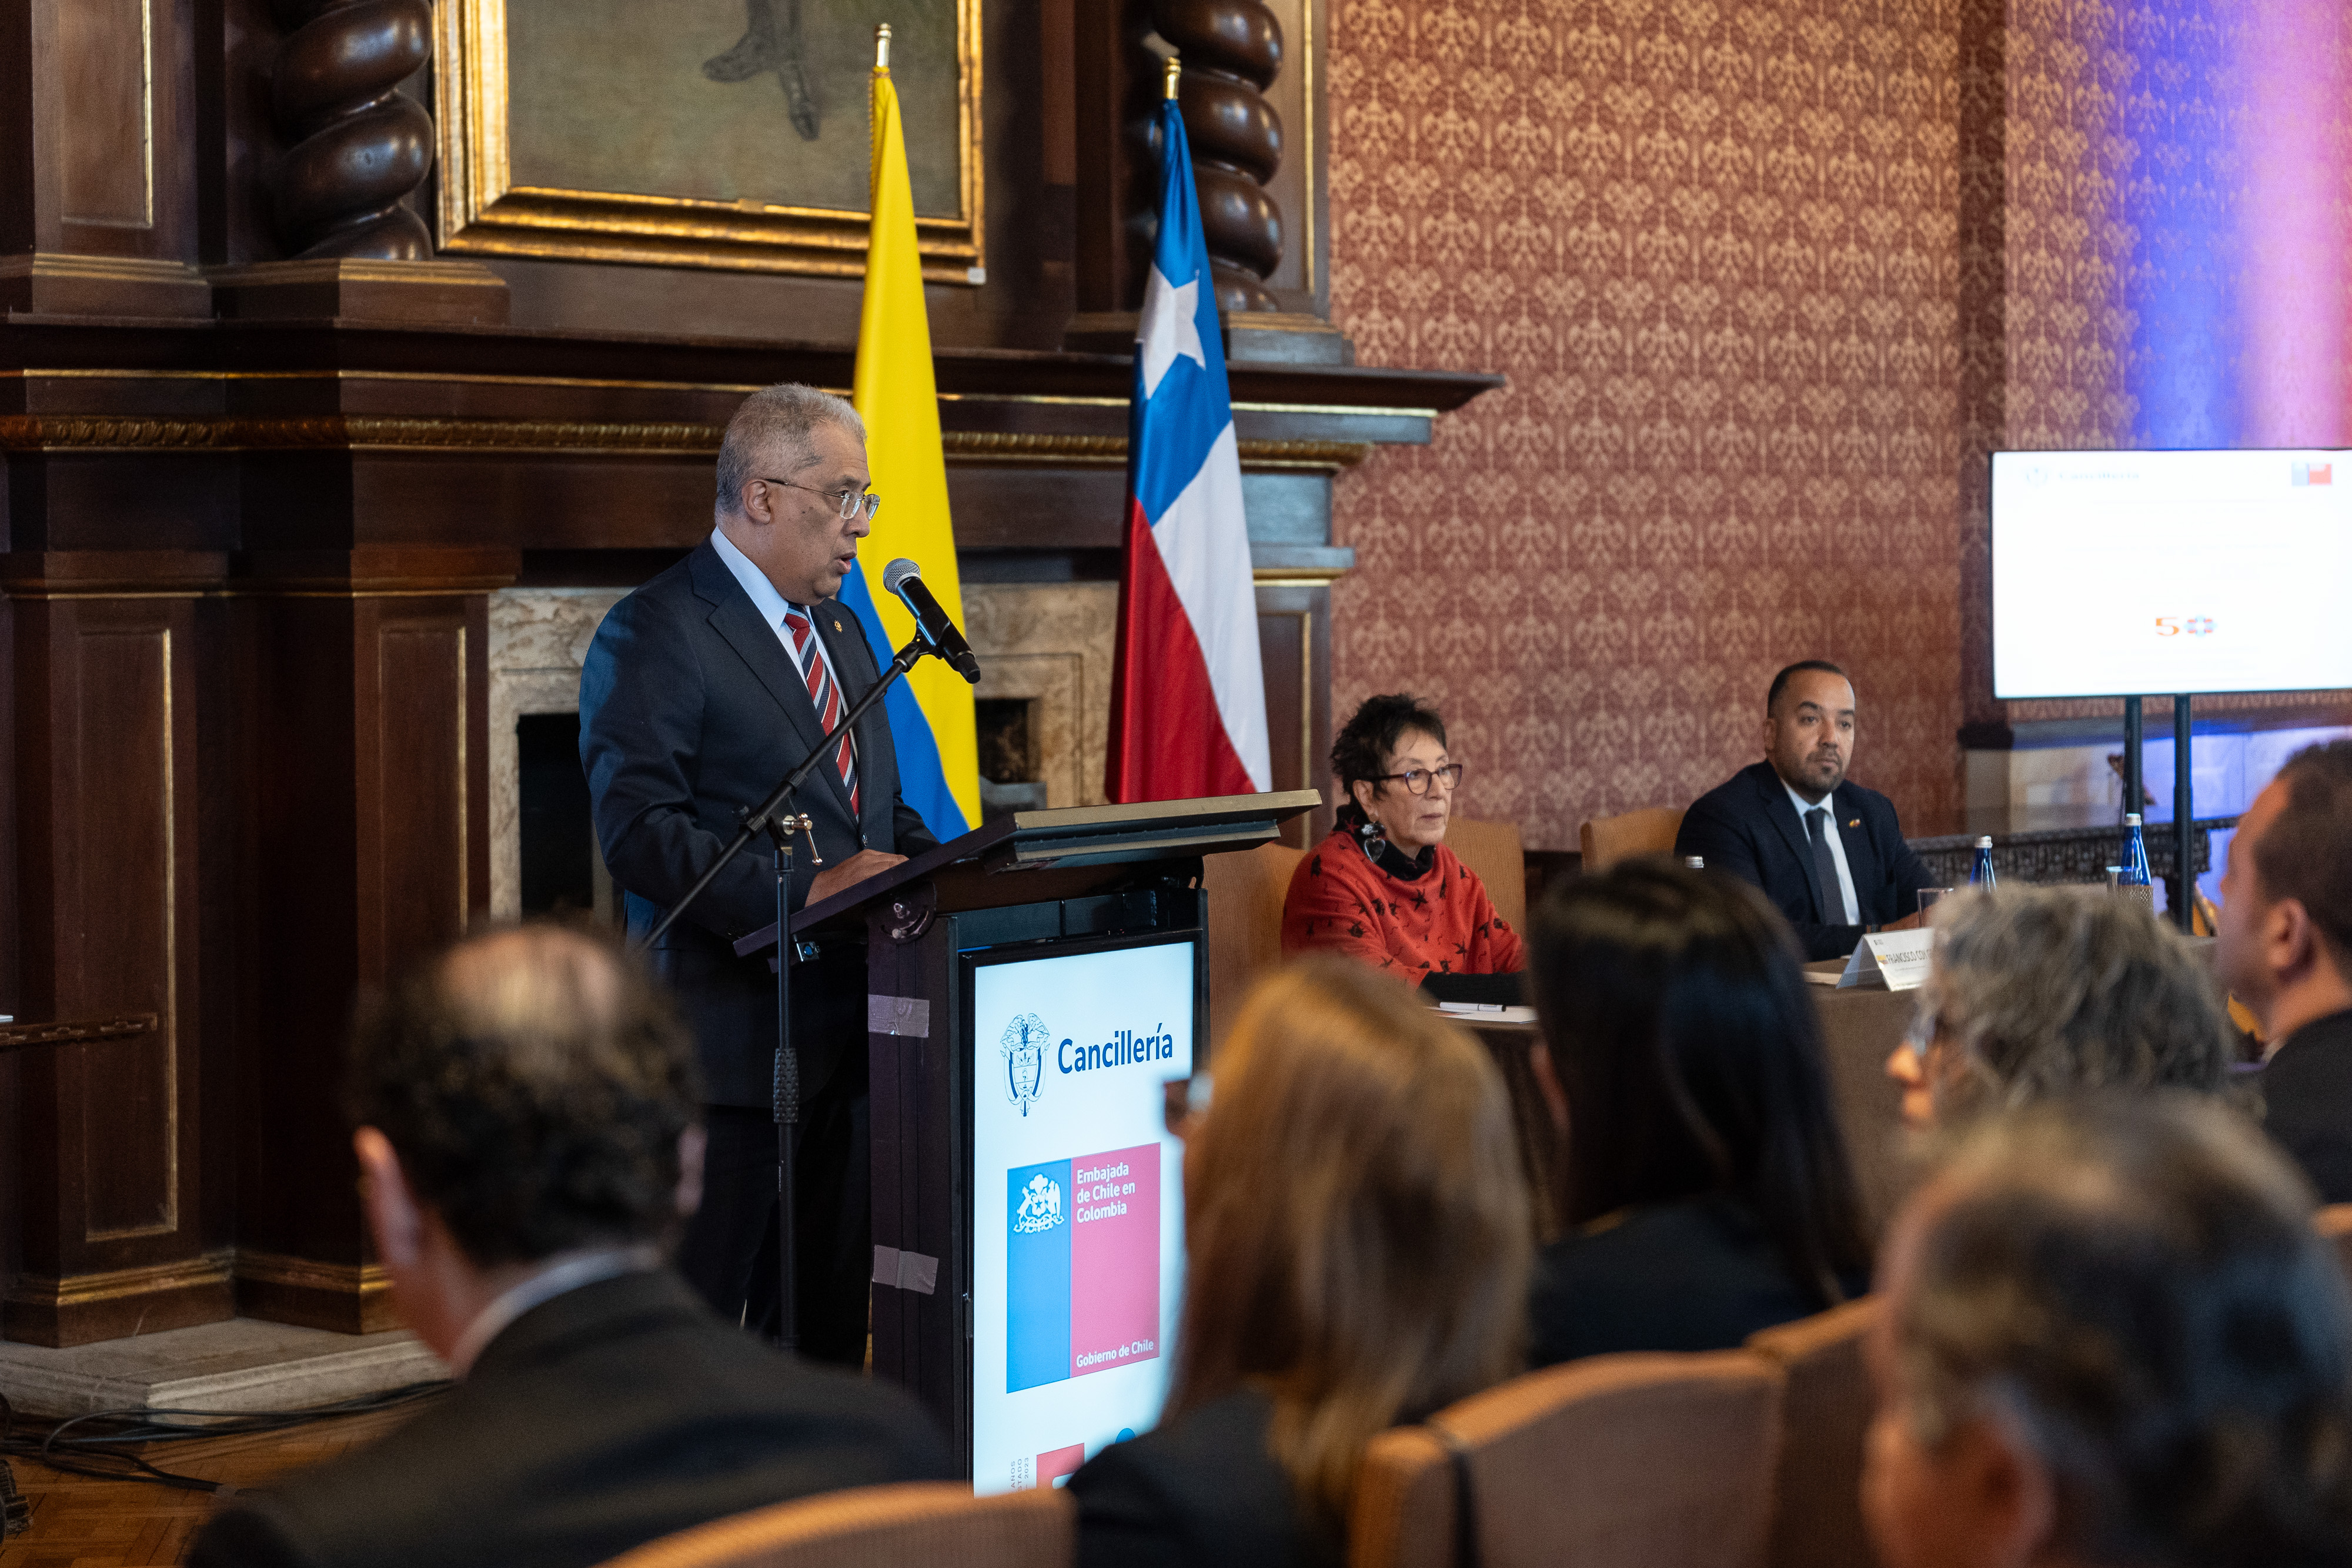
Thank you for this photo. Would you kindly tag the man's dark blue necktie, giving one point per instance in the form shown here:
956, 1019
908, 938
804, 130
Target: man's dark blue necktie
1817, 827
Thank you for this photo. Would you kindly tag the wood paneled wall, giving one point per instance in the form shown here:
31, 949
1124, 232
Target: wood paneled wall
249, 521
366, 822
108, 658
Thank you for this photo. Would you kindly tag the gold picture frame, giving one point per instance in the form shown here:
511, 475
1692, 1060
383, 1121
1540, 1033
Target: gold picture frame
483, 211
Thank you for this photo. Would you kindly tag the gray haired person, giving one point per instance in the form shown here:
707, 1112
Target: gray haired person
2111, 1335
2037, 991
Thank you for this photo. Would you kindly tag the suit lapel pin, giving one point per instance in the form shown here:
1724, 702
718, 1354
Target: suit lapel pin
836, 626
1852, 823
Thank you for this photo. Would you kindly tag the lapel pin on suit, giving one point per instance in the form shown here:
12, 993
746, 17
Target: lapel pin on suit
836, 626
1852, 823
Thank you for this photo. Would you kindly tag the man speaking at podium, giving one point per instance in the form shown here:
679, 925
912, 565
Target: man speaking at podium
1828, 852
702, 690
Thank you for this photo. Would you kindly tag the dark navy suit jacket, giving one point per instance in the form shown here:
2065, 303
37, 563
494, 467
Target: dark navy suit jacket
2307, 1102
1747, 827
689, 709
612, 1414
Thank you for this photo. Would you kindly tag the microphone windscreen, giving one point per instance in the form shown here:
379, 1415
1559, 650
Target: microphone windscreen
899, 572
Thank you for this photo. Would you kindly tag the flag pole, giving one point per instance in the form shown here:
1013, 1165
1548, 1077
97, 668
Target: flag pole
1170, 71
882, 46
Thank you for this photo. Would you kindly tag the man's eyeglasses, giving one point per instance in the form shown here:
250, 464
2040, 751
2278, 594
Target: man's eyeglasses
1422, 780
850, 503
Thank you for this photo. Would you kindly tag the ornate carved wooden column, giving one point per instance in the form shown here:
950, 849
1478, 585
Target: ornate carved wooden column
354, 150
1231, 52
1253, 97
357, 146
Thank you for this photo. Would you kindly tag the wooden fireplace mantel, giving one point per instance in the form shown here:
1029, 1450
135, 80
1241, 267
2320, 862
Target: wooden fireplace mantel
243, 616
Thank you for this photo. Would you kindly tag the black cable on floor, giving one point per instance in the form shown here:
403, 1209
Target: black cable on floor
96, 1444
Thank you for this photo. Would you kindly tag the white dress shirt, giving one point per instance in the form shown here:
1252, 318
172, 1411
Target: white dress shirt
1837, 845
772, 606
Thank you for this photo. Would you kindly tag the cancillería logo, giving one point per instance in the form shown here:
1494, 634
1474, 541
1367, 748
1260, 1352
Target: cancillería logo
1024, 1049
1040, 1205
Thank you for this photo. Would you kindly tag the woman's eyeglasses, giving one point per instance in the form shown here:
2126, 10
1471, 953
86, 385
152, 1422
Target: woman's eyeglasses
1422, 780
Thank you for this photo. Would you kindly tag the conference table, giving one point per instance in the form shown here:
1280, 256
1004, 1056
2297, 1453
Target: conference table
1861, 1027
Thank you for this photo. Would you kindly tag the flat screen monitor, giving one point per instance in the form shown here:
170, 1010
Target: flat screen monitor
1078, 1200
2137, 574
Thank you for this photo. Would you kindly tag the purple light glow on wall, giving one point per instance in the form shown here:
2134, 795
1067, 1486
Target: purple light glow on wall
2291, 221
2236, 174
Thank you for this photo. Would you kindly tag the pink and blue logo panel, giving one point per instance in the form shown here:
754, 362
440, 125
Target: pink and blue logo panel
1082, 1266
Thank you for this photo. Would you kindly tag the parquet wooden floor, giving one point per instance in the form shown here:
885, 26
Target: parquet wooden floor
79, 1522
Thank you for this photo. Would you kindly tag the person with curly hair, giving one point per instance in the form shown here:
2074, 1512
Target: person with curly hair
1383, 887
2036, 992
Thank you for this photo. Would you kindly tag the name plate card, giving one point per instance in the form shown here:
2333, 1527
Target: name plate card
1896, 960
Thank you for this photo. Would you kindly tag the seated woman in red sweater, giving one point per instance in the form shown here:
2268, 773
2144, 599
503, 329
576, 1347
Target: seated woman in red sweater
1384, 887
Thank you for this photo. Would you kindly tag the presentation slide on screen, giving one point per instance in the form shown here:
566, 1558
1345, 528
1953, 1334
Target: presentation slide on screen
2116, 573
1078, 1204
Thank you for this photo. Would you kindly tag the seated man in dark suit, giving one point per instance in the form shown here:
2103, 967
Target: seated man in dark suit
1828, 852
527, 1146
2284, 949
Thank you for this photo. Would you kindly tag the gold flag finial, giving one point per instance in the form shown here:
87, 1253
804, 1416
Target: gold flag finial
1173, 68
882, 46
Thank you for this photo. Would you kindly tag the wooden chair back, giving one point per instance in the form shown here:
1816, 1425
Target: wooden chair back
1825, 1414
1246, 891
1495, 856
1648, 831
1616, 1461
2334, 1222
931, 1523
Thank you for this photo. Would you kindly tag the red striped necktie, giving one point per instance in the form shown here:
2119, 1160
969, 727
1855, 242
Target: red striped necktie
824, 693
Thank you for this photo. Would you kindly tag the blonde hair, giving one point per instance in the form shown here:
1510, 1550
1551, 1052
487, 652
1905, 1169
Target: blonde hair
1357, 1221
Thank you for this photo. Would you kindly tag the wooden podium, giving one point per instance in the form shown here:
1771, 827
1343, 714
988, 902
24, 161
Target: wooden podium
1037, 885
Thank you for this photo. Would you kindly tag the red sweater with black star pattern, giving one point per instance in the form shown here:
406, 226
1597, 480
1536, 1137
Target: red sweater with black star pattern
1441, 920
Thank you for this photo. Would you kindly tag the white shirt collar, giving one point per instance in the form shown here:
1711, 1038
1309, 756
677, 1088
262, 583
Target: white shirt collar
771, 604
1826, 803
564, 1272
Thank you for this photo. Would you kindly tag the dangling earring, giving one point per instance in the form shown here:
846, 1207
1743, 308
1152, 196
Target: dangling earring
1375, 837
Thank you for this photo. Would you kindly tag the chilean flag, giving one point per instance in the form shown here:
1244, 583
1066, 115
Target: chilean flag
1188, 698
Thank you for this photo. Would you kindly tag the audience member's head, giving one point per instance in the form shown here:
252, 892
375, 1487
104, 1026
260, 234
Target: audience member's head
2038, 991
1808, 726
1355, 1219
2112, 1336
2286, 931
1679, 1034
1393, 765
527, 1095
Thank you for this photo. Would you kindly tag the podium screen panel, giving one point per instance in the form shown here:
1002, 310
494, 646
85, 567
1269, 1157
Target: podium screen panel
1077, 1231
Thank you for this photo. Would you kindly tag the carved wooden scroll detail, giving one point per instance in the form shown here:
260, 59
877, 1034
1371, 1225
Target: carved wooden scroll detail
356, 144
1232, 51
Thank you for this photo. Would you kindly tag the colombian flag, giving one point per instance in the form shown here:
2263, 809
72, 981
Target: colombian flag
930, 711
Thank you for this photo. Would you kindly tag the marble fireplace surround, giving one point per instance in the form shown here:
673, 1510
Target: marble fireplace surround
1049, 644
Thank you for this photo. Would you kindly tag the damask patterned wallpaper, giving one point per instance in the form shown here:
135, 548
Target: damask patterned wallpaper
1717, 249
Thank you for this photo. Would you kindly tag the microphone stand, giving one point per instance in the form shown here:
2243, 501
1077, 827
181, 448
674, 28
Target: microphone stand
774, 816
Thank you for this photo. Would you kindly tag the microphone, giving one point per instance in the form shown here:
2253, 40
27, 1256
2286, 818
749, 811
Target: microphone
905, 579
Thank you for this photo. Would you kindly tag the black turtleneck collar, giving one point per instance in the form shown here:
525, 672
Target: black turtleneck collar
1390, 860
